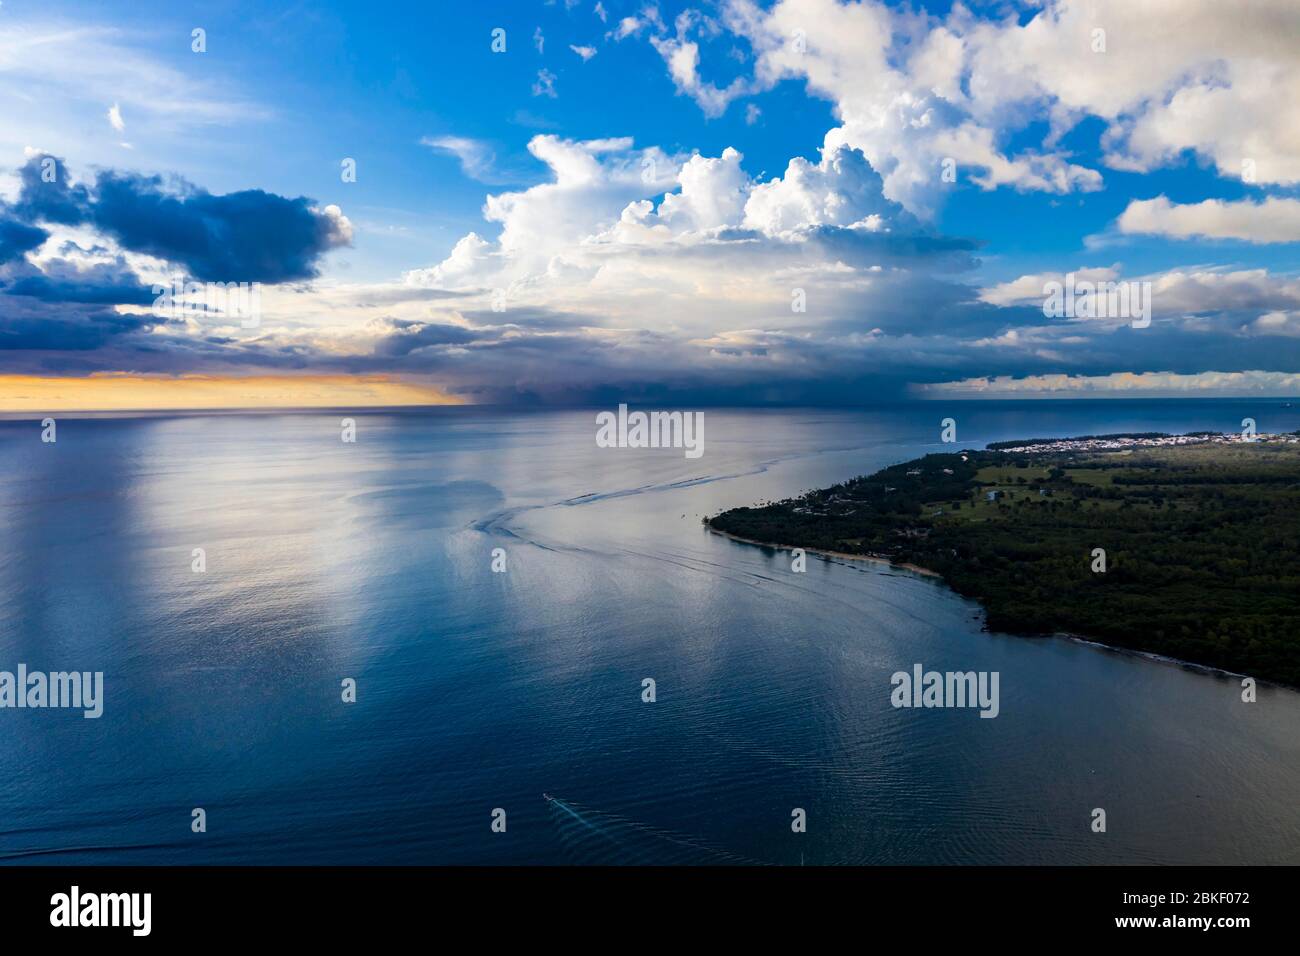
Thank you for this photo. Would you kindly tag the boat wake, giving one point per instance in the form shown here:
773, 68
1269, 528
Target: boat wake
591, 837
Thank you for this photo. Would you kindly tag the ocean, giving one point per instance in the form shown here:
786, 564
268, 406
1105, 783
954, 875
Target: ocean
477, 691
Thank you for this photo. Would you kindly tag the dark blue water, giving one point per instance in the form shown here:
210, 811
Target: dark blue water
479, 690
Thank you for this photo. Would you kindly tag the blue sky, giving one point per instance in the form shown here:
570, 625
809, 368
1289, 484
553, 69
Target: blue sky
625, 201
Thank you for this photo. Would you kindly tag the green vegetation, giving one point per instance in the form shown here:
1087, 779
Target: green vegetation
1202, 542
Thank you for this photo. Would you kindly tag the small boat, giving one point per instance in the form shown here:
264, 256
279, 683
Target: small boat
548, 798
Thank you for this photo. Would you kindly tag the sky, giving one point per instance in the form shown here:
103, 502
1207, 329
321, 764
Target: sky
572, 202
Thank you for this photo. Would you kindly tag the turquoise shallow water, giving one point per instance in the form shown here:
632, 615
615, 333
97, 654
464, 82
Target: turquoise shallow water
479, 690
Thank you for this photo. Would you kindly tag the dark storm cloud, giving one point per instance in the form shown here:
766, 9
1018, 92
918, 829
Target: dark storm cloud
61, 280
69, 290
248, 236
866, 248
47, 195
17, 238
904, 303
407, 336
70, 329
814, 246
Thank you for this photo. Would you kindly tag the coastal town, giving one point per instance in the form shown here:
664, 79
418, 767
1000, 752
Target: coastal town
1129, 442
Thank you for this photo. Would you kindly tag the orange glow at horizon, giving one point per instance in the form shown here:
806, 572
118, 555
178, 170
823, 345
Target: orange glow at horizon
125, 392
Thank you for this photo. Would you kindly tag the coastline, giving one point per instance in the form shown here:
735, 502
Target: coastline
1208, 670
846, 555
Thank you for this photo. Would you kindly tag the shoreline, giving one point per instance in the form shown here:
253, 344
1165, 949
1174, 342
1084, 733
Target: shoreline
1155, 657
1208, 670
846, 555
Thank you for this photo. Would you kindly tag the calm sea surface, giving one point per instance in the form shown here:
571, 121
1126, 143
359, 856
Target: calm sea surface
481, 690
